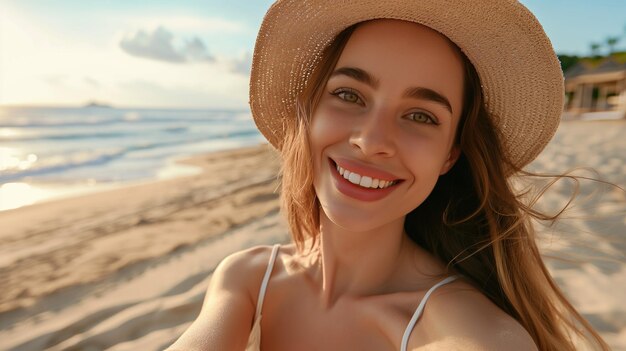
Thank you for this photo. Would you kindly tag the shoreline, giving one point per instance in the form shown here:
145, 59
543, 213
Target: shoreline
22, 194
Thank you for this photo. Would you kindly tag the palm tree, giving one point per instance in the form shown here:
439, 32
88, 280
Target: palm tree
594, 49
611, 42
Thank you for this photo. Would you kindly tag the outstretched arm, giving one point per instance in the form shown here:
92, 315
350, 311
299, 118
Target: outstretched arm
227, 313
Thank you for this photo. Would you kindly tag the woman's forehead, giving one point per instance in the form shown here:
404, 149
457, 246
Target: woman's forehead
397, 40
401, 54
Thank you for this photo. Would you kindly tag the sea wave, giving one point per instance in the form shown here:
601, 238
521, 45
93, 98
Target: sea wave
77, 159
82, 121
61, 134
67, 136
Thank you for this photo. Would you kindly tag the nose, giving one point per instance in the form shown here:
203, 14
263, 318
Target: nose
373, 135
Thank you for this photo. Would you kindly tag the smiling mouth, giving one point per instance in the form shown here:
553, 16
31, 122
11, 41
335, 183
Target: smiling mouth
363, 181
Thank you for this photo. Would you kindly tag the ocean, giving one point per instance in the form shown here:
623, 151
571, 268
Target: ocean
48, 153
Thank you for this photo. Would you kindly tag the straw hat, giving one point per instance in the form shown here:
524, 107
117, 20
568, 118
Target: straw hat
520, 74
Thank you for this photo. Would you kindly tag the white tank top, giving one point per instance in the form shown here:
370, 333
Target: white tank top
254, 341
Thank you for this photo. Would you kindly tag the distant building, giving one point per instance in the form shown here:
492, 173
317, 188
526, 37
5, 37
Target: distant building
596, 90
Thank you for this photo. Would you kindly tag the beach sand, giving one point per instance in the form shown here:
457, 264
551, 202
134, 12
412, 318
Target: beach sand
127, 269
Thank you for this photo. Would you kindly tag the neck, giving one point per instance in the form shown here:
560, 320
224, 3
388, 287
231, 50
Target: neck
359, 264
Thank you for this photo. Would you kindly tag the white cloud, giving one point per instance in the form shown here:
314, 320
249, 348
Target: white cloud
242, 65
159, 44
195, 50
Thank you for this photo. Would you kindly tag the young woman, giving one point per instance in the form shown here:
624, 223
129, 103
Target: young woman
401, 124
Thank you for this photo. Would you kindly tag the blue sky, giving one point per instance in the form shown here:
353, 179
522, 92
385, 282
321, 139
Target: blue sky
573, 24
186, 53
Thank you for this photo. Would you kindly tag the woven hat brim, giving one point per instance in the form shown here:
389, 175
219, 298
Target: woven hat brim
520, 75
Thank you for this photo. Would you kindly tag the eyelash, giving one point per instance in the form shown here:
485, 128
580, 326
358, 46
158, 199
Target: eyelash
339, 92
431, 119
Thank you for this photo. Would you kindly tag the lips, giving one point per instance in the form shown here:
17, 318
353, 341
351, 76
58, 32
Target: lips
356, 191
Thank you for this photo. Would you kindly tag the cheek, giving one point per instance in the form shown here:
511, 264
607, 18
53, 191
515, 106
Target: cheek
318, 139
424, 158
424, 147
327, 128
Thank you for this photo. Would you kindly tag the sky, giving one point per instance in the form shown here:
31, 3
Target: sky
187, 53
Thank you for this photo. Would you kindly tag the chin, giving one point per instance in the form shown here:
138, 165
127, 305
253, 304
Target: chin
356, 220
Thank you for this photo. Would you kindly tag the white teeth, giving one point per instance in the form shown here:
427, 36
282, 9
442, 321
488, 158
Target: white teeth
364, 181
354, 178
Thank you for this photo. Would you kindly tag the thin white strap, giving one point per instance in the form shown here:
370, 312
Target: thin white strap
266, 279
420, 308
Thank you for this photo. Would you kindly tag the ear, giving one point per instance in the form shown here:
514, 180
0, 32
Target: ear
453, 156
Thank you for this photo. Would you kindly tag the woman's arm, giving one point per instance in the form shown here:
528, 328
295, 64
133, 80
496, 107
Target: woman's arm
227, 313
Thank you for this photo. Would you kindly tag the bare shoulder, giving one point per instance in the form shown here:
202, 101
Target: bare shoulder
242, 270
460, 317
227, 313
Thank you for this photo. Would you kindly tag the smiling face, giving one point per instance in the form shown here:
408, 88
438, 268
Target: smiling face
387, 119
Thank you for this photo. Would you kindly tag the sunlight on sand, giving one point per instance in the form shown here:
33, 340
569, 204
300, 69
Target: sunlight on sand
15, 195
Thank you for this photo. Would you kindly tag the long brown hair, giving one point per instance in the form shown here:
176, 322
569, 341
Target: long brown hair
473, 220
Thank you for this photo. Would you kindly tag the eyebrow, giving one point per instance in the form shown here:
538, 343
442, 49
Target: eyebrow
419, 93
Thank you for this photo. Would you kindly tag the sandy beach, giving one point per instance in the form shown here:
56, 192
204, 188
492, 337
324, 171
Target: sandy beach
127, 269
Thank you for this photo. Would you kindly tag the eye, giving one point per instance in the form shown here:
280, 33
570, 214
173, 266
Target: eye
423, 117
348, 95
